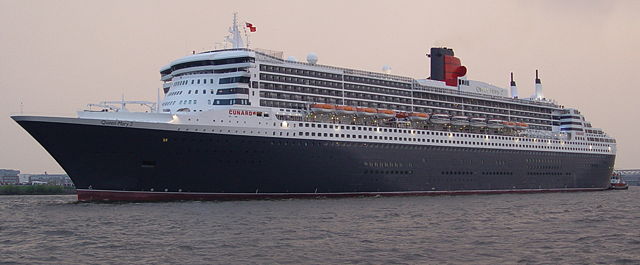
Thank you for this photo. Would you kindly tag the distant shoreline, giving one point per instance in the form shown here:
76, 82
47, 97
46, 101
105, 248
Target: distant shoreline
35, 190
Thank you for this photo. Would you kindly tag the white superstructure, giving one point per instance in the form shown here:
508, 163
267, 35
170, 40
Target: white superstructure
257, 92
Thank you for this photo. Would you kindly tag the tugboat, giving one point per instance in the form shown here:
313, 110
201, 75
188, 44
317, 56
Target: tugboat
617, 182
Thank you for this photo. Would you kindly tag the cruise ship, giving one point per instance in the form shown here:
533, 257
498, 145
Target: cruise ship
243, 123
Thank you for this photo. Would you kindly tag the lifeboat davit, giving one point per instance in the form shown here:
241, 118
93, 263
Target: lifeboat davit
440, 119
418, 116
366, 111
345, 110
522, 125
385, 113
495, 124
322, 108
478, 122
460, 120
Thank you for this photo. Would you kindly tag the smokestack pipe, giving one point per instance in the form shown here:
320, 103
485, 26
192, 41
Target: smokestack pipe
514, 88
539, 94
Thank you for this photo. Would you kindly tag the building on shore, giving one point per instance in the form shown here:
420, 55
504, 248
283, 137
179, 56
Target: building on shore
51, 179
9, 177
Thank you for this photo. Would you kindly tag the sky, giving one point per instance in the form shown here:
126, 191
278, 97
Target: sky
58, 56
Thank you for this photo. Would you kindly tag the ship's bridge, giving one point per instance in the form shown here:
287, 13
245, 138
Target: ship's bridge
202, 81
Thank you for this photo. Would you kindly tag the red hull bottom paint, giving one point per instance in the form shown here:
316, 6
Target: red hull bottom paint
107, 195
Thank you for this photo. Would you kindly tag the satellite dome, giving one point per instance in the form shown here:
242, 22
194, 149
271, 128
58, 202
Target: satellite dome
312, 58
386, 69
292, 59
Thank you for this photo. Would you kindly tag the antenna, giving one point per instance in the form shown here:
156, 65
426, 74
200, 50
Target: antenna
246, 36
235, 38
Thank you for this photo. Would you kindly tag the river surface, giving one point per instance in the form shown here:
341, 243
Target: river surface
550, 228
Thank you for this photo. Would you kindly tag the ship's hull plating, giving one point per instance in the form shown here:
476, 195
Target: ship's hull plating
116, 163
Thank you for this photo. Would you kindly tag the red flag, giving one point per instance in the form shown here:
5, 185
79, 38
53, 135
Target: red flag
250, 26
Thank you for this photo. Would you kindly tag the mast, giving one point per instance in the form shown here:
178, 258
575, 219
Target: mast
235, 38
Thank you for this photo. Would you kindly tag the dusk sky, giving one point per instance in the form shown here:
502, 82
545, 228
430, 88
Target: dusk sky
57, 56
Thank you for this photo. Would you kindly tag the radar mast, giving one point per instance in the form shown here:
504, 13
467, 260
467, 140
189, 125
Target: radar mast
235, 38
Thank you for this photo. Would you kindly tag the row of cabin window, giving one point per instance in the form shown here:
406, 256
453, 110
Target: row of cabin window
236, 101
601, 140
386, 164
193, 82
379, 90
300, 80
594, 157
435, 133
392, 138
594, 131
211, 62
220, 91
301, 89
302, 72
286, 96
234, 79
374, 81
282, 104
480, 102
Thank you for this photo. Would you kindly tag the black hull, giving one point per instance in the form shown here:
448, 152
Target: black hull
106, 162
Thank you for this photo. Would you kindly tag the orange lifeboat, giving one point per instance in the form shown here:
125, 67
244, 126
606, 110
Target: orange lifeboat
385, 113
522, 125
322, 107
402, 115
509, 124
345, 109
418, 116
366, 111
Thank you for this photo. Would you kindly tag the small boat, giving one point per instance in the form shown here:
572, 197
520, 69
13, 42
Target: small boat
418, 116
402, 115
522, 126
345, 110
617, 182
322, 108
385, 113
495, 124
478, 122
460, 120
440, 119
366, 111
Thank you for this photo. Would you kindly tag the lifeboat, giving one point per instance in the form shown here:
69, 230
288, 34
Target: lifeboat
522, 125
418, 116
322, 107
509, 124
385, 113
366, 111
495, 124
478, 122
460, 120
402, 115
440, 119
345, 109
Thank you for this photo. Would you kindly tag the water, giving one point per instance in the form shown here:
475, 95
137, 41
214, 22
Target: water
552, 228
